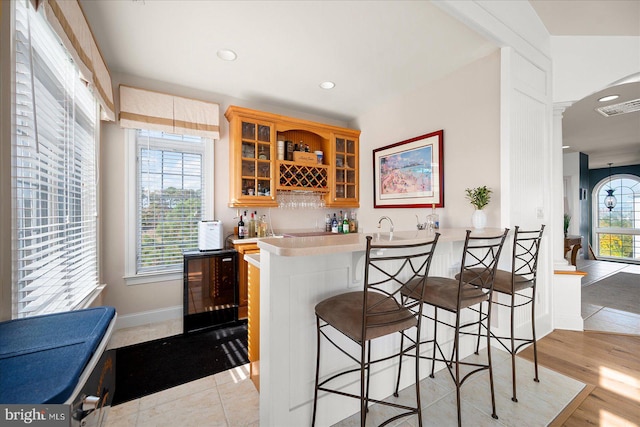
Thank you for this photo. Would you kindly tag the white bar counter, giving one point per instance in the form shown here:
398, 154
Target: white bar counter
295, 274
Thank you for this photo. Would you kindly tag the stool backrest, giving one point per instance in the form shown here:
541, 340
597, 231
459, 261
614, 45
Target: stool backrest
524, 262
388, 269
480, 261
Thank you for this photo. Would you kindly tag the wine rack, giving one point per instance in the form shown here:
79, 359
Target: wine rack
295, 176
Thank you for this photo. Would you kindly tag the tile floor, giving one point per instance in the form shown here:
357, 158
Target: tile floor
226, 399
600, 317
229, 399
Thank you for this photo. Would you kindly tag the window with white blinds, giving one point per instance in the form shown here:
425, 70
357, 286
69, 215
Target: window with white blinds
170, 198
54, 174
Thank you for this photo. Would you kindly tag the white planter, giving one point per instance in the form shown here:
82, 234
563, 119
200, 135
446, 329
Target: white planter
479, 219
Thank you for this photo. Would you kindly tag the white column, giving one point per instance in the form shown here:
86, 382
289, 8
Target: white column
566, 295
557, 202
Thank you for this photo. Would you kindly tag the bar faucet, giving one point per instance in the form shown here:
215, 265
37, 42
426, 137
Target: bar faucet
388, 219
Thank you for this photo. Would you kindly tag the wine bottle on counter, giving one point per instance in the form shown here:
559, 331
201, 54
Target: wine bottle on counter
252, 226
340, 223
345, 223
327, 223
334, 224
240, 228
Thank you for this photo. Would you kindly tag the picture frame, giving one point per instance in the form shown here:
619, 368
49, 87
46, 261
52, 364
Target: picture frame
410, 173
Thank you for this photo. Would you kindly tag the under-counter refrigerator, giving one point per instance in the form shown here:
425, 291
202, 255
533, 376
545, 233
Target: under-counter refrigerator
210, 288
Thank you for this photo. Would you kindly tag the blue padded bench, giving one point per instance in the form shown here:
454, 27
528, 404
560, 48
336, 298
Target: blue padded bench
44, 359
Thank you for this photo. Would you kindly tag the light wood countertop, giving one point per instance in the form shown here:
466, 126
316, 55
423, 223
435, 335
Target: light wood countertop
325, 244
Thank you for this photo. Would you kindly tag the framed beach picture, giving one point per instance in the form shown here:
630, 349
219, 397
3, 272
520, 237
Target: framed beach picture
410, 174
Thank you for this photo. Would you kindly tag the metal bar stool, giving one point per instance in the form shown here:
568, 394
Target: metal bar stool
516, 283
479, 262
377, 311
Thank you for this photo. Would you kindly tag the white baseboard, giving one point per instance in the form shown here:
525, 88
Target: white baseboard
569, 323
147, 317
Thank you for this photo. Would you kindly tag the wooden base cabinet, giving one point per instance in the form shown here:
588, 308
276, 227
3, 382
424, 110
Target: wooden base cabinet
258, 170
243, 276
253, 327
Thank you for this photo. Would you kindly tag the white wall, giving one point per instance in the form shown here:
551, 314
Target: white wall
466, 106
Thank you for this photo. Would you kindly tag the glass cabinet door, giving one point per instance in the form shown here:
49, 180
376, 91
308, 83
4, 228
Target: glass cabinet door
256, 159
346, 167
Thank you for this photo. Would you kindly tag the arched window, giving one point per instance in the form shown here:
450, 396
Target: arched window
616, 232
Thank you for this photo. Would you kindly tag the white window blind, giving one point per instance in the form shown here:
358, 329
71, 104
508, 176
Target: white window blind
170, 198
54, 174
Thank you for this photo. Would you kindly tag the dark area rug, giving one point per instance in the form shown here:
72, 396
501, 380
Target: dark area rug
620, 291
153, 366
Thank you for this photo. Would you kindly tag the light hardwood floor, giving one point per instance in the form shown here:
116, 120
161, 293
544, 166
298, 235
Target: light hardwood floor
607, 360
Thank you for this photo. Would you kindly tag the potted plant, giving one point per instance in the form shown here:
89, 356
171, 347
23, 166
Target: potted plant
479, 197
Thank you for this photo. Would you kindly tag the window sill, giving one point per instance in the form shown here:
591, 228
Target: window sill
142, 279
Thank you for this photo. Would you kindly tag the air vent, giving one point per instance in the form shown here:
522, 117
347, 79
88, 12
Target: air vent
621, 108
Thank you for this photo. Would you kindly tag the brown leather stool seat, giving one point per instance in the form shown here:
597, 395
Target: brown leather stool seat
344, 313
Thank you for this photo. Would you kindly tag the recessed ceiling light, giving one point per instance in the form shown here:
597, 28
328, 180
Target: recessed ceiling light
608, 98
227, 55
327, 85
565, 146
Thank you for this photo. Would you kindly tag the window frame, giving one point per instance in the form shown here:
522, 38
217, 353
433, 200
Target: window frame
132, 277
596, 230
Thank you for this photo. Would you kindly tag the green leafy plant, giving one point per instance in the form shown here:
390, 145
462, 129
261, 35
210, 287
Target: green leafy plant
567, 221
479, 196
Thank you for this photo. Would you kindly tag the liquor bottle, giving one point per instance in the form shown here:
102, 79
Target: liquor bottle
246, 225
327, 223
241, 228
353, 224
340, 223
334, 224
252, 226
345, 224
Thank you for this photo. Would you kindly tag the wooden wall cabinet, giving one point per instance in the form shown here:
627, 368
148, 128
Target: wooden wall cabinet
252, 154
256, 174
345, 158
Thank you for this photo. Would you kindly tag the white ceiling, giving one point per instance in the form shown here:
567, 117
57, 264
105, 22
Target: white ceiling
605, 139
372, 50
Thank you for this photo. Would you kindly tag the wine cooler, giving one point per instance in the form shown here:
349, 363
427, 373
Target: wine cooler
210, 289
